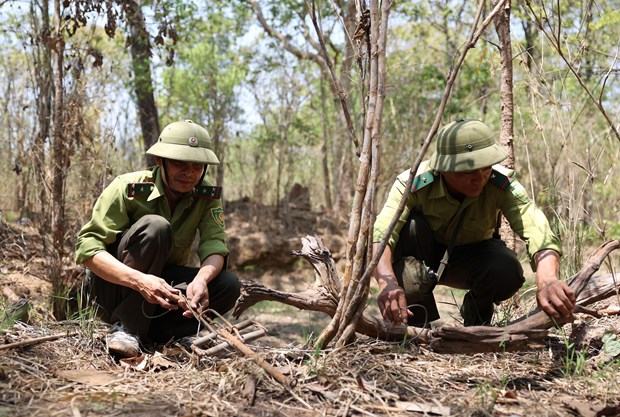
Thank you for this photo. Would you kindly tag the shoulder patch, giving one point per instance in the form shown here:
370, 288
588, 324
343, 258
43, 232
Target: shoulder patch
499, 180
139, 189
209, 192
422, 181
218, 216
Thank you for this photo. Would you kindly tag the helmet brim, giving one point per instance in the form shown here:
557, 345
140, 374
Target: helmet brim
469, 161
185, 153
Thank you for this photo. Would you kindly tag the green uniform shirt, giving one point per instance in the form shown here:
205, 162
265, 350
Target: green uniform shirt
115, 211
502, 193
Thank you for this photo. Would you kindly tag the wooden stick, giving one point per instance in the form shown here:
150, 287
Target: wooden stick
35, 341
243, 348
248, 337
206, 338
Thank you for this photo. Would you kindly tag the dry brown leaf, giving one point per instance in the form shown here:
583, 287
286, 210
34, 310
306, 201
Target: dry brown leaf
248, 393
595, 409
426, 408
160, 362
91, 377
138, 362
510, 394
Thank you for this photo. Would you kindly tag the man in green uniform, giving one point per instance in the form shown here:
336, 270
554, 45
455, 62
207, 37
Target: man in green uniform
447, 235
138, 244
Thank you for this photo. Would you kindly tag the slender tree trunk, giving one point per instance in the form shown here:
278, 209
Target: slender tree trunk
60, 163
143, 82
506, 136
59, 148
354, 293
327, 195
43, 79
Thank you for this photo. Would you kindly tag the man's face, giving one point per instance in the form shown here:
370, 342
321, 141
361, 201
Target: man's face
468, 183
182, 176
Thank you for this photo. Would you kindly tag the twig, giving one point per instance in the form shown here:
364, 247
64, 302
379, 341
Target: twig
247, 337
243, 348
35, 341
206, 338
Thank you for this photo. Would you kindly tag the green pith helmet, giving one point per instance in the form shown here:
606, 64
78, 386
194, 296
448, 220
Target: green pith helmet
466, 145
185, 141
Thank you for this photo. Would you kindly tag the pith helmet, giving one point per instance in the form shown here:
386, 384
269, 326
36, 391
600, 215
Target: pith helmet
185, 141
466, 145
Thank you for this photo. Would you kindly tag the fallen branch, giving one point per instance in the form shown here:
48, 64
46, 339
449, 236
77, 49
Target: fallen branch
524, 333
35, 341
247, 337
203, 340
241, 347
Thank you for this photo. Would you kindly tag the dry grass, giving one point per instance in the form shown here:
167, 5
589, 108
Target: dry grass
74, 376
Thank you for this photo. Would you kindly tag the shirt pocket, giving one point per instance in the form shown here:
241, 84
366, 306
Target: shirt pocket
181, 252
477, 229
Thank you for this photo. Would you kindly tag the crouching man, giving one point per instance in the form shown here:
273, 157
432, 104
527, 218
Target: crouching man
447, 235
138, 243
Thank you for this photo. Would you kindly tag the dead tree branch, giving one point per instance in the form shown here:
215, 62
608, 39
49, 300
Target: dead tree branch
524, 333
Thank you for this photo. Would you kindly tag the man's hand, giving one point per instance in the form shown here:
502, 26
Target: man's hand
197, 297
157, 291
553, 296
393, 304
391, 299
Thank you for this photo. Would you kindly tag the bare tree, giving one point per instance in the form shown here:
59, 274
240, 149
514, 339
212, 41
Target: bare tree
339, 85
143, 83
506, 134
42, 57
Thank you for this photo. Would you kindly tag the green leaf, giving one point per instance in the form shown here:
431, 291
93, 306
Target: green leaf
611, 345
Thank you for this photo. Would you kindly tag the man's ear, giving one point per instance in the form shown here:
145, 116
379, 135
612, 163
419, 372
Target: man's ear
158, 161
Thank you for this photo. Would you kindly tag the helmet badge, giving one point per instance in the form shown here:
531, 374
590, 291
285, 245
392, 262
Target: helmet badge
193, 141
470, 147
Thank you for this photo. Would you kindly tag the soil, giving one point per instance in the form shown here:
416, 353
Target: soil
74, 376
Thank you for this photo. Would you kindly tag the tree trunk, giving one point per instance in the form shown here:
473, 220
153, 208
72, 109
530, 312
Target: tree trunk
327, 195
59, 142
42, 57
506, 135
143, 83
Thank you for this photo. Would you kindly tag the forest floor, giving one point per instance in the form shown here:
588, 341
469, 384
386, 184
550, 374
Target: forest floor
72, 375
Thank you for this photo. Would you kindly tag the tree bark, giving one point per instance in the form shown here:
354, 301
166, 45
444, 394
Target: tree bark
42, 56
60, 158
506, 135
143, 82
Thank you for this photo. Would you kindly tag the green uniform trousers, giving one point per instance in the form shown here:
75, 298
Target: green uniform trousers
488, 269
145, 246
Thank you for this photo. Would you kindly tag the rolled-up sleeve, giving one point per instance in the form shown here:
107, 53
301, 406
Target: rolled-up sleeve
109, 218
212, 231
529, 222
389, 210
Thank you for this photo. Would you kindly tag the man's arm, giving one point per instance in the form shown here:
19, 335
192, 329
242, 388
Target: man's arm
154, 289
553, 296
391, 298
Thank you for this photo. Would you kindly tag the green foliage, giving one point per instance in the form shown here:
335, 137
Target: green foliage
574, 361
611, 345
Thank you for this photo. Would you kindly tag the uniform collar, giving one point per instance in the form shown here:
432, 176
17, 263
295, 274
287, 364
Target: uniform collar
158, 190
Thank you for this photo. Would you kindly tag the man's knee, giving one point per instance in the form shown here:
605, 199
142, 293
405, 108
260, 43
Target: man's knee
154, 228
226, 292
504, 277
